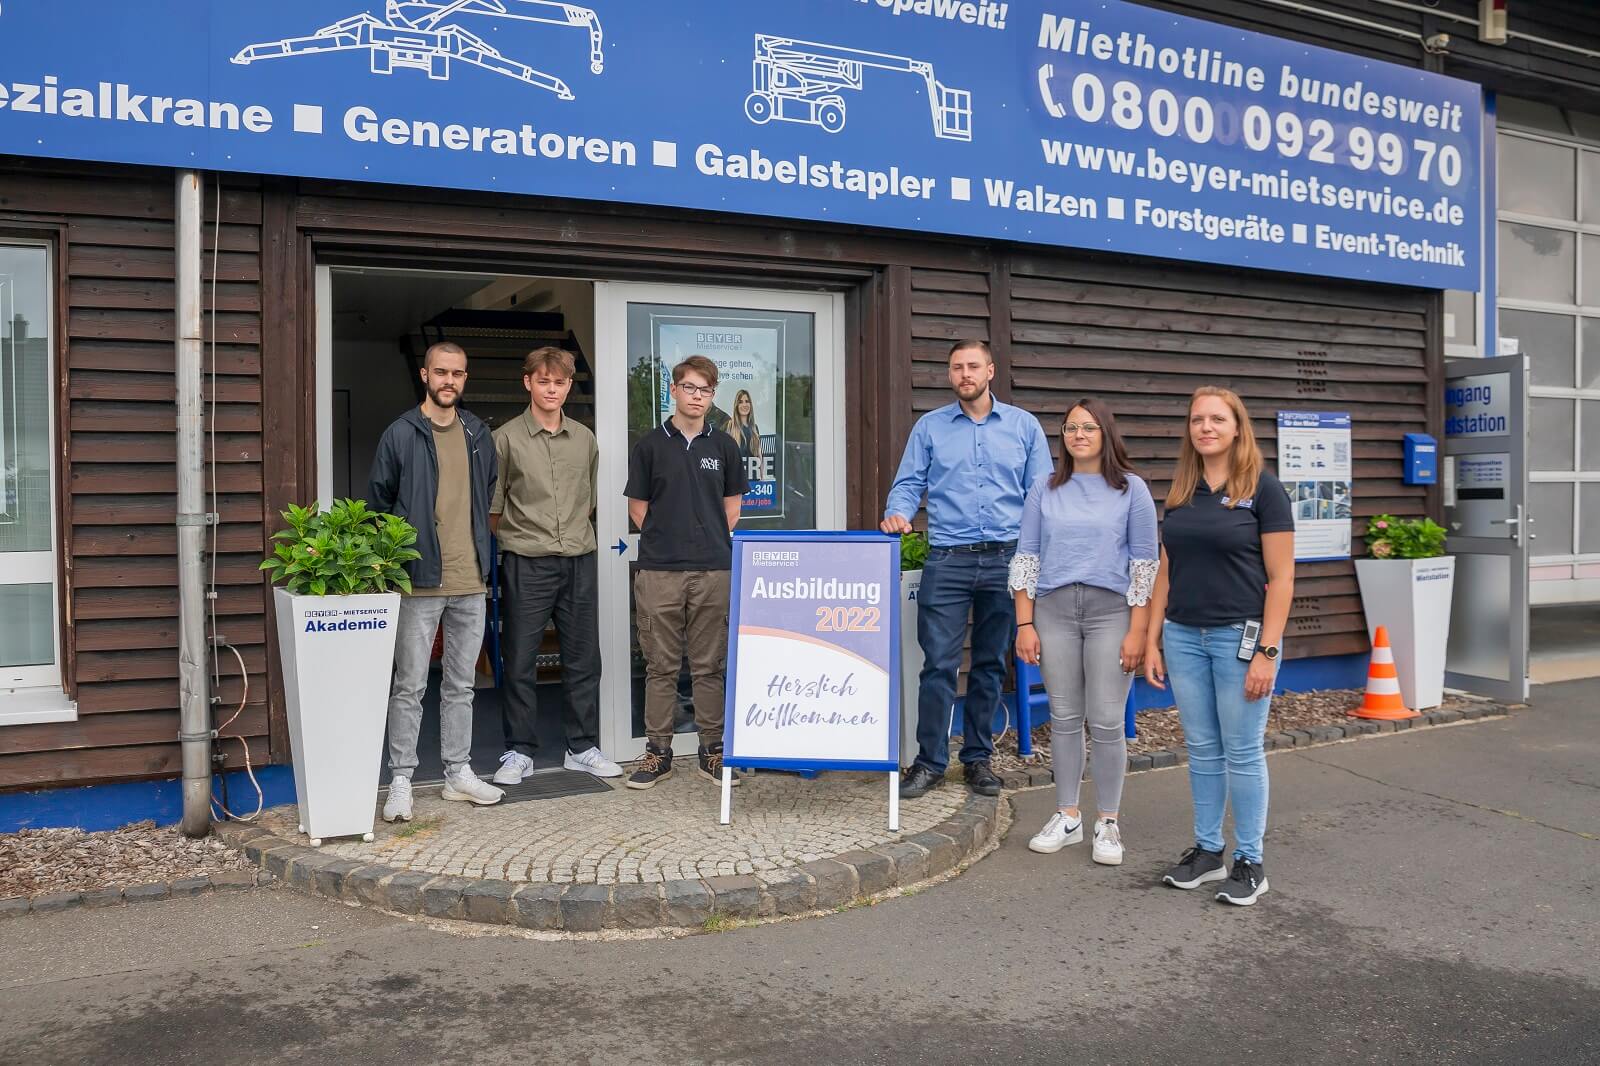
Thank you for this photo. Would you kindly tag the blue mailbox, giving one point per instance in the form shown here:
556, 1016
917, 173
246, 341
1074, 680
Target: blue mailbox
1422, 459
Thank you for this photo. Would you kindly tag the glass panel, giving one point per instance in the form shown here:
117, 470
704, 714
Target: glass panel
1537, 264
1514, 111
26, 514
1590, 330
1591, 270
1551, 424
765, 399
1589, 448
1460, 317
1589, 206
1589, 518
1550, 504
1547, 341
1585, 124
27, 625
1537, 178
1480, 617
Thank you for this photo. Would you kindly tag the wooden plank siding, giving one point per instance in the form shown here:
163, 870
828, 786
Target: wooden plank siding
116, 360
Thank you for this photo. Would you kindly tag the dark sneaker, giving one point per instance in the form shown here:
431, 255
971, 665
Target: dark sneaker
1196, 868
981, 778
1245, 884
711, 764
918, 780
656, 765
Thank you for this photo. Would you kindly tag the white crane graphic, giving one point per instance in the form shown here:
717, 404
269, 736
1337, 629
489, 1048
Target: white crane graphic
416, 34
800, 81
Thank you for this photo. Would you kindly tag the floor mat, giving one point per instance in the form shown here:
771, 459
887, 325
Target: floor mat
553, 784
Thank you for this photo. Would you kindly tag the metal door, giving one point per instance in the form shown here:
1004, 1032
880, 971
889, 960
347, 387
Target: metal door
1485, 481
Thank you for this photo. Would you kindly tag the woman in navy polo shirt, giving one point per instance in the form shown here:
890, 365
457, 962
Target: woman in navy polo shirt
1227, 561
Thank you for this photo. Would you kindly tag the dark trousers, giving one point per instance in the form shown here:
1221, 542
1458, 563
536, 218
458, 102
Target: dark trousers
536, 590
956, 584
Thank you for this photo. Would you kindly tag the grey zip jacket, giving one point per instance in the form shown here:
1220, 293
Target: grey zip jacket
405, 482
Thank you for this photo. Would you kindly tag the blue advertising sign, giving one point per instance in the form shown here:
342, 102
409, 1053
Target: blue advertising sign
814, 652
1095, 124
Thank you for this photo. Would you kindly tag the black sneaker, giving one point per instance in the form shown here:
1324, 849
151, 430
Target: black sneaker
656, 765
1196, 868
981, 778
711, 764
1246, 883
918, 780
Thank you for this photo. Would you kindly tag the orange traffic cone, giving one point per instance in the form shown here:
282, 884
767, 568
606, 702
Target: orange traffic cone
1383, 684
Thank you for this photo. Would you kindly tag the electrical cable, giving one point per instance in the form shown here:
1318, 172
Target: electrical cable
249, 768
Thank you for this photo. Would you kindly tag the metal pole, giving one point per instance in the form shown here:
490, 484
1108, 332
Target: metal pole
194, 694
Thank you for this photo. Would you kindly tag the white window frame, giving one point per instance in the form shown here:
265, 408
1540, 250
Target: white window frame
35, 694
1575, 587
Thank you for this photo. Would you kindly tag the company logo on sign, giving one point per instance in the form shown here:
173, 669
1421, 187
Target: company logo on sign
774, 558
343, 625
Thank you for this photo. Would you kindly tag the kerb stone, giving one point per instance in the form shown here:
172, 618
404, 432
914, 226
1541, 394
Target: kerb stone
586, 908
145, 893
403, 892
637, 906
102, 897
190, 886
686, 903
874, 872
441, 898
736, 895
537, 906
836, 882
910, 861
329, 880
788, 891
56, 901
944, 854
488, 902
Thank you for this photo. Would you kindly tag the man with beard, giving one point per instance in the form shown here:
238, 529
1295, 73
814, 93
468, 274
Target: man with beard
974, 460
436, 468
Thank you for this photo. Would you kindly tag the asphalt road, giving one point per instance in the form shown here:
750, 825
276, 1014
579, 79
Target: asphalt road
1433, 900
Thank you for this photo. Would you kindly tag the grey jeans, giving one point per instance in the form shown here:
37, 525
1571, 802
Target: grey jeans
463, 618
1080, 641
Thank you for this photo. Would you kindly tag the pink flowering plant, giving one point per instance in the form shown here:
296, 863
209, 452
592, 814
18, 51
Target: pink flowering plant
346, 550
1389, 537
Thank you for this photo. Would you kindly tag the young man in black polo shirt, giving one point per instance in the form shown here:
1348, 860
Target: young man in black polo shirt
685, 487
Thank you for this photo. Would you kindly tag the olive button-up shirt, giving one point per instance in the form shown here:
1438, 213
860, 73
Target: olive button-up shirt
545, 494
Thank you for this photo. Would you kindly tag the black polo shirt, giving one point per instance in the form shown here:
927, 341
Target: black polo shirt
685, 482
1216, 574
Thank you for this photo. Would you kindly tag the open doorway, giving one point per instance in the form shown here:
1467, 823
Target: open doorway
376, 326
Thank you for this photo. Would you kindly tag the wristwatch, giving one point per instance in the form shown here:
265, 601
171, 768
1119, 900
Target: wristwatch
1269, 650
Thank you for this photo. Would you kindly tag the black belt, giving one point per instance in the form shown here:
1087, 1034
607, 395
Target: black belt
986, 546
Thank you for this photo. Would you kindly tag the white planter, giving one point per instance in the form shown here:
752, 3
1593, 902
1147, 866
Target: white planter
910, 664
1411, 598
338, 655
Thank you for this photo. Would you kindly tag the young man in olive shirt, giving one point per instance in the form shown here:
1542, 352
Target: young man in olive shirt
686, 485
435, 467
543, 503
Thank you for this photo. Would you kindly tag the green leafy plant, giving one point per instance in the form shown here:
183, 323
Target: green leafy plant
1389, 537
346, 550
913, 551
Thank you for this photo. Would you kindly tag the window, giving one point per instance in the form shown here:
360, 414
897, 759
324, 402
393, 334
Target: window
30, 630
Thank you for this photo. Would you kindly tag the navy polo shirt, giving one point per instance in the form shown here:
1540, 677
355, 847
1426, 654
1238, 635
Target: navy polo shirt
685, 482
1216, 574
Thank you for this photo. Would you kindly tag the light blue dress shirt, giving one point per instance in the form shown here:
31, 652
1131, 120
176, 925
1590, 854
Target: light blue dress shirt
1087, 533
975, 474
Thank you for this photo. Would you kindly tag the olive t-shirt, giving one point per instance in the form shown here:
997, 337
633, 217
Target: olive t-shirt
1217, 576
452, 515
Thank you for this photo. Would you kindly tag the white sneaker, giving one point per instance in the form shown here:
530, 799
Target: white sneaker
593, 762
464, 785
514, 766
1107, 843
397, 808
1057, 833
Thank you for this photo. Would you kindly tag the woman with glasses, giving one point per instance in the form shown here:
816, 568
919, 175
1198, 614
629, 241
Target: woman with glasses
1082, 578
1220, 606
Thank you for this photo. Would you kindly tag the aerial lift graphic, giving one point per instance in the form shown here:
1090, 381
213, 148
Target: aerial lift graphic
415, 34
800, 81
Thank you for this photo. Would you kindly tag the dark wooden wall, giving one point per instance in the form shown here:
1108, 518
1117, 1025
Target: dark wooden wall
113, 234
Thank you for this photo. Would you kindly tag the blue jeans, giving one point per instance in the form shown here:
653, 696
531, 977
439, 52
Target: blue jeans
1223, 733
956, 584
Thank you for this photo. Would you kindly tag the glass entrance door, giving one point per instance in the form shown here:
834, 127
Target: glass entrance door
779, 357
29, 645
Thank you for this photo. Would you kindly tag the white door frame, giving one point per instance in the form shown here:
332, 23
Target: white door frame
41, 684
611, 427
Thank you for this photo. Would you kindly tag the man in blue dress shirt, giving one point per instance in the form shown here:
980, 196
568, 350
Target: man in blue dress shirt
974, 460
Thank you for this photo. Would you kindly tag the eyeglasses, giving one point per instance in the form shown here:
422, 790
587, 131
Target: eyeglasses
1089, 428
696, 390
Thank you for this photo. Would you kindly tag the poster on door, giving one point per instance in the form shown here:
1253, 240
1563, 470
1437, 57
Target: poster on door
813, 651
748, 405
1315, 468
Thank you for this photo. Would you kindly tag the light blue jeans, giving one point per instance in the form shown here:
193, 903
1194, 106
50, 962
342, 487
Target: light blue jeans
420, 616
1223, 733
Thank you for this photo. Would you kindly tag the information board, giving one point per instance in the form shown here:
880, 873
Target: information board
1315, 468
814, 652
1088, 123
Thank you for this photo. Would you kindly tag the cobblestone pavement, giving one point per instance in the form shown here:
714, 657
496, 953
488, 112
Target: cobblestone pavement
666, 833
